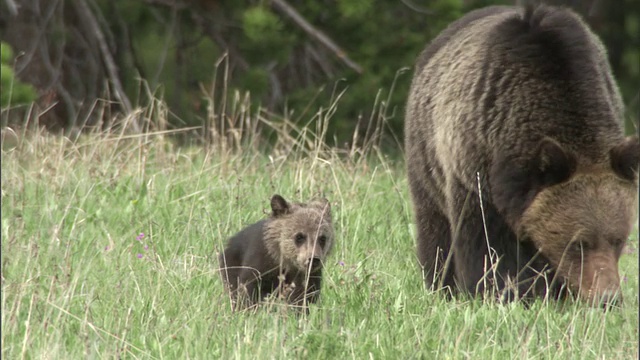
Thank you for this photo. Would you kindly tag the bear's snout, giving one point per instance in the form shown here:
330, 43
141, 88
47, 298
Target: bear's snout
600, 283
608, 295
609, 299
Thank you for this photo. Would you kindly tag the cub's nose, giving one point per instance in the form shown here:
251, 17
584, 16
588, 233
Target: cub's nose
316, 263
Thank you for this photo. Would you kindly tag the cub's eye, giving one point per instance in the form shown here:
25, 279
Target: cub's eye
322, 240
299, 239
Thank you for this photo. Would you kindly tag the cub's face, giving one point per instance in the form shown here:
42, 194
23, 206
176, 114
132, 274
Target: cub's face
578, 218
304, 232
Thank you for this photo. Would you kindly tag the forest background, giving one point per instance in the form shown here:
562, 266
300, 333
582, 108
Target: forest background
72, 64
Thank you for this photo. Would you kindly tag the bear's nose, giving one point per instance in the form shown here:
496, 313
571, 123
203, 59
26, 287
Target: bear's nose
316, 263
609, 299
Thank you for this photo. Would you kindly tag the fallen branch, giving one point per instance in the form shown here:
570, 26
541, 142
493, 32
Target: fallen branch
284, 7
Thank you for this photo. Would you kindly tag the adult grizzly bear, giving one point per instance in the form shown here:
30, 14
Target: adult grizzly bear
519, 107
283, 253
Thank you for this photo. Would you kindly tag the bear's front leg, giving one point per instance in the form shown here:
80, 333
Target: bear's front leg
481, 238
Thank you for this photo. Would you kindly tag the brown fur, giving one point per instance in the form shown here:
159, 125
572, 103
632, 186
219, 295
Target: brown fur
284, 254
525, 99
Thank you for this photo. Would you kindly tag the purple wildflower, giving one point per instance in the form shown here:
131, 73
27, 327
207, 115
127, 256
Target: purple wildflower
146, 247
341, 263
139, 256
140, 237
106, 248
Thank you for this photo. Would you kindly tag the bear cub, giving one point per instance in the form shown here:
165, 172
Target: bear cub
282, 254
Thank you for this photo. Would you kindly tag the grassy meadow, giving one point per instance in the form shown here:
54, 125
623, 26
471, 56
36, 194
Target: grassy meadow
110, 242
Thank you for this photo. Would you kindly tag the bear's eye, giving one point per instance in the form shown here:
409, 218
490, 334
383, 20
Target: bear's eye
322, 240
579, 246
617, 242
299, 238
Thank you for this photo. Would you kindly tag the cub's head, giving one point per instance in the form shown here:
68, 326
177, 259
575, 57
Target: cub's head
299, 235
578, 217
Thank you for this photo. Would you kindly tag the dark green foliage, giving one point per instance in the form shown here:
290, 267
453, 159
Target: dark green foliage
282, 67
266, 37
12, 91
176, 51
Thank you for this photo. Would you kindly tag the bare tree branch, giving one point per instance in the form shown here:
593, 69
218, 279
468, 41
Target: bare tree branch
126, 38
288, 10
178, 5
320, 60
13, 8
89, 67
91, 23
36, 41
55, 82
417, 8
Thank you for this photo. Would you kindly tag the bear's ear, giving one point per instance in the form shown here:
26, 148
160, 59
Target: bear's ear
514, 182
552, 164
279, 206
625, 158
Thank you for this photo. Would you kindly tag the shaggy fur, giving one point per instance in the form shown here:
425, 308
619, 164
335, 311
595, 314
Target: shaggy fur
519, 107
283, 254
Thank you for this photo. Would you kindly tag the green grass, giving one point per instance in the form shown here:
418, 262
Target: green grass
74, 287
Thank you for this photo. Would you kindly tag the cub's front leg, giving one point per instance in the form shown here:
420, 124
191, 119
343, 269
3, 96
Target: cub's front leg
304, 292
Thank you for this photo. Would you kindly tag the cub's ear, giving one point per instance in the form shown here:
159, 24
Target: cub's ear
323, 205
625, 158
279, 206
514, 181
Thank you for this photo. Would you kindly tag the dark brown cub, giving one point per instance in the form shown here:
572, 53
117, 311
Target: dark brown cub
283, 253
